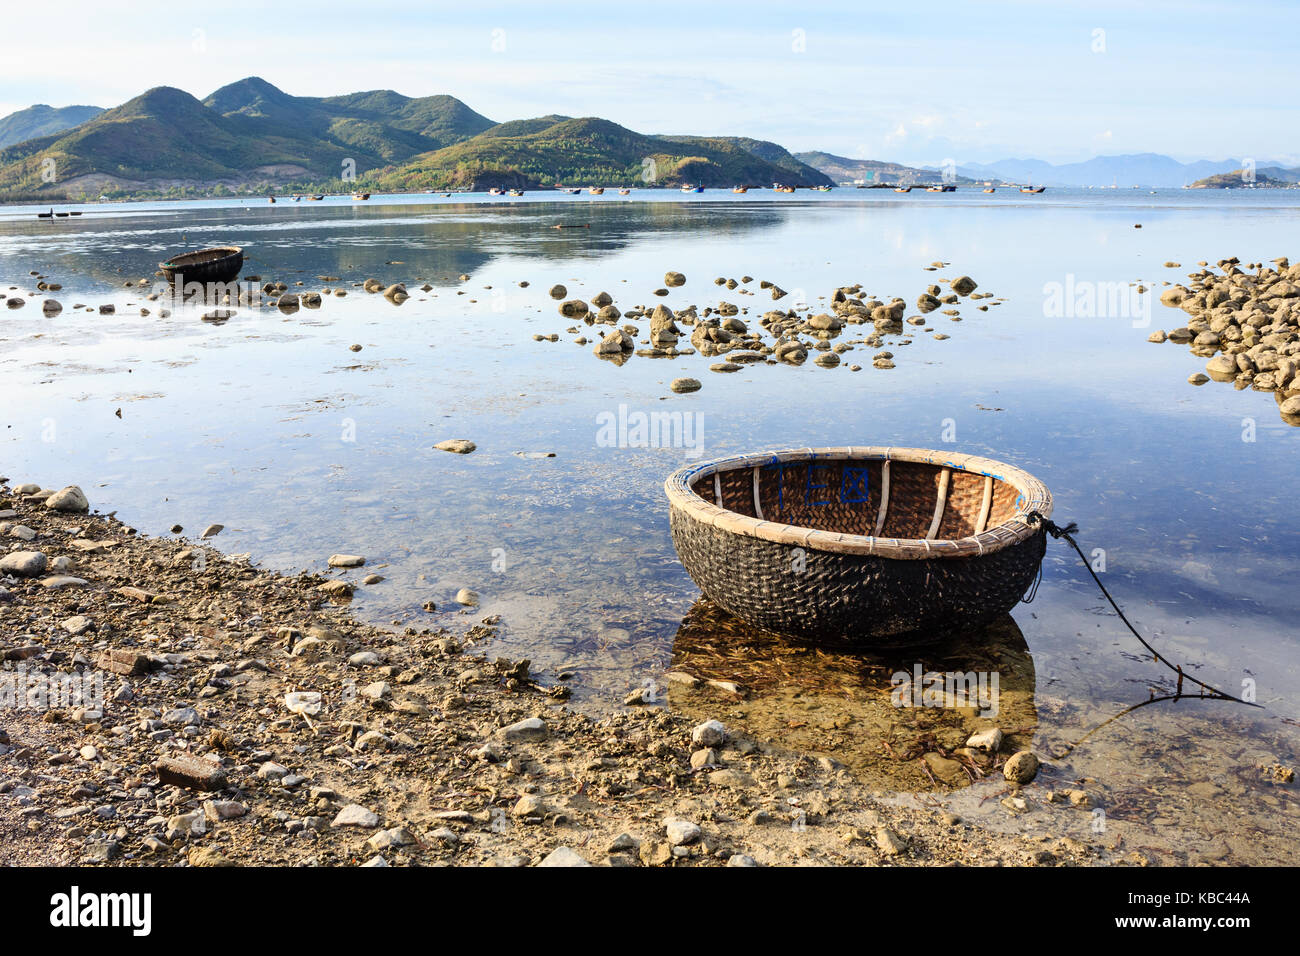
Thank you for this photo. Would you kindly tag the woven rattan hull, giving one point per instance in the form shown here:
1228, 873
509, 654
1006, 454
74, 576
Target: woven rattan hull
853, 599
814, 581
219, 264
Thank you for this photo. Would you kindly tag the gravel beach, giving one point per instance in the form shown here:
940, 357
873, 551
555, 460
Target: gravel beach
248, 719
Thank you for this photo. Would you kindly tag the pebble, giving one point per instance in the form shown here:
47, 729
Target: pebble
990, 740
681, 832
212, 530
181, 717
711, 733
1021, 767
683, 385
531, 728
467, 597
563, 856
306, 703
355, 815
346, 561
457, 446
217, 810
888, 842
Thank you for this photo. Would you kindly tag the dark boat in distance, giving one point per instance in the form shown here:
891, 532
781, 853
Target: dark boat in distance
215, 264
361, 196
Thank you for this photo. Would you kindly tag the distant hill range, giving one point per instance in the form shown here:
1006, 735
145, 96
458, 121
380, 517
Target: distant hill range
250, 136
870, 172
42, 120
1138, 169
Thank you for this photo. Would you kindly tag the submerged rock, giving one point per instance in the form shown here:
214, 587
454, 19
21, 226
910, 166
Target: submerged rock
1021, 767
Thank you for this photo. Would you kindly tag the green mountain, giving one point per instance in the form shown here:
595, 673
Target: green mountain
42, 120
250, 136
869, 171
1235, 179
246, 134
592, 151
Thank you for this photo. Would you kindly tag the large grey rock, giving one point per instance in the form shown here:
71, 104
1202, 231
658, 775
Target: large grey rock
24, 564
70, 499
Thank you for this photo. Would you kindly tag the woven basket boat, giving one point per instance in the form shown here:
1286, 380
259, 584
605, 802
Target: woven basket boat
218, 264
862, 545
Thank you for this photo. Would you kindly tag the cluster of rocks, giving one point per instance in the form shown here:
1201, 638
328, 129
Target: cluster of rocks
247, 720
777, 337
1246, 321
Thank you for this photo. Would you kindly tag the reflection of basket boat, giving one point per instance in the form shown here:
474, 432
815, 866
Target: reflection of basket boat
218, 264
859, 545
873, 692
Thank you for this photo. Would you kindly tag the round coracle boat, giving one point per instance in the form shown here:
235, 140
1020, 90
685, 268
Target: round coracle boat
860, 545
218, 264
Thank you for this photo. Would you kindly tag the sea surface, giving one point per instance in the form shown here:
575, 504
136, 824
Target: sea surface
273, 426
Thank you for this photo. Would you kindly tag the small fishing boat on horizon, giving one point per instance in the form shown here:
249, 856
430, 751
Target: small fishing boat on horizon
902, 189
740, 189
692, 189
624, 191
596, 190
361, 196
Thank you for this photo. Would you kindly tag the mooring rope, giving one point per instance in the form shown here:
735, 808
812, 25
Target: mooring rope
1068, 532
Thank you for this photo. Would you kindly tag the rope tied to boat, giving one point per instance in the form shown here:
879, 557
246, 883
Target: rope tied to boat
1068, 533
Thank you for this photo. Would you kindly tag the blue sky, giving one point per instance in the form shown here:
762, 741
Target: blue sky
910, 82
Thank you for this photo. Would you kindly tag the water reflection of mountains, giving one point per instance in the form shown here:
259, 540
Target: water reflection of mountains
432, 243
856, 708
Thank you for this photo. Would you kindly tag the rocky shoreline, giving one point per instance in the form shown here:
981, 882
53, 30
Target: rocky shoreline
1247, 323
247, 718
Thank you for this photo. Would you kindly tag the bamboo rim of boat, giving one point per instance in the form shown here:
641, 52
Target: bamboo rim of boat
1033, 497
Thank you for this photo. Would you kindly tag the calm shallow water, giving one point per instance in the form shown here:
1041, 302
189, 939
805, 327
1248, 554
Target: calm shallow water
302, 448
